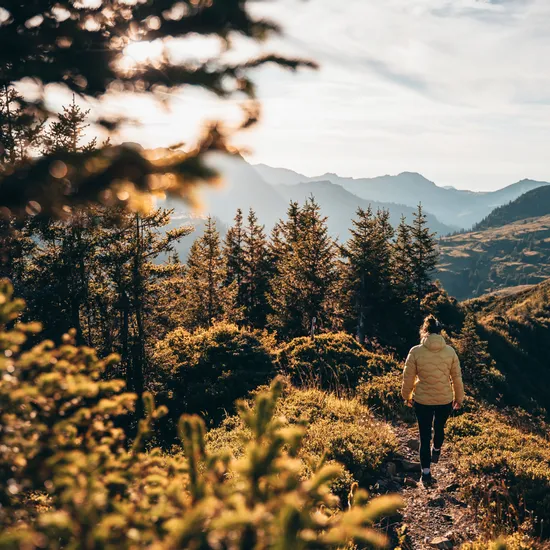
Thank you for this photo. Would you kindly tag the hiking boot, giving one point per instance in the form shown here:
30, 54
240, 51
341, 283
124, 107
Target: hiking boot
435, 456
427, 480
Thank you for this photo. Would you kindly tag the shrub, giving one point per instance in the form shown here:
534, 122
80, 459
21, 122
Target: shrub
61, 452
333, 361
342, 430
517, 541
206, 371
508, 469
383, 395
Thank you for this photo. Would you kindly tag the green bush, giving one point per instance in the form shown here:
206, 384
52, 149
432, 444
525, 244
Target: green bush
342, 430
383, 395
71, 480
332, 361
206, 371
507, 468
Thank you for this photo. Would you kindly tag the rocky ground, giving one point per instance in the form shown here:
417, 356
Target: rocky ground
435, 517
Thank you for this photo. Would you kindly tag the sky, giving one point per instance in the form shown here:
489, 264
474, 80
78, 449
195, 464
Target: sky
457, 90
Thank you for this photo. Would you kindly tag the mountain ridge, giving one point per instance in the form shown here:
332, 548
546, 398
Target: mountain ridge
459, 208
532, 204
340, 206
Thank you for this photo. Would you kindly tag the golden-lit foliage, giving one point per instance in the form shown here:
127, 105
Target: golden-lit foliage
334, 361
506, 461
71, 480
336, 429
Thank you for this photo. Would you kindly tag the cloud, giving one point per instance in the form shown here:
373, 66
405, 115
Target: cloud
458, 90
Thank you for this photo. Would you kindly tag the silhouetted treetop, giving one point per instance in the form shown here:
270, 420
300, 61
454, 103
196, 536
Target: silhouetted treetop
81, 45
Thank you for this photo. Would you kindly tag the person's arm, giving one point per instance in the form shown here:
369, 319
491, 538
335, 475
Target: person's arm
458, 385
409, 377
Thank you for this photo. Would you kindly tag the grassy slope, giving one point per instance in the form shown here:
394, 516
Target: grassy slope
533, 204
483, 261
517, 327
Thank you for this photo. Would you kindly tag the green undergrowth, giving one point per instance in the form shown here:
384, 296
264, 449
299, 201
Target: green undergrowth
71, 479
517, 541
383, 395
505, 466
207, 370
341, 429
335, 362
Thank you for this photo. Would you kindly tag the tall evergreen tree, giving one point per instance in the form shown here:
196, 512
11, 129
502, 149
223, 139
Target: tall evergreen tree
20, 135
367, 272
402, 268
423, 255
20, 132
66, 249
66, 134
131, 245
205, 278
258, 270
234, 256
305, 261
478, 367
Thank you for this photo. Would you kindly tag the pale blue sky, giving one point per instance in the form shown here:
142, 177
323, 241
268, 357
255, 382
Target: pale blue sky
458, 90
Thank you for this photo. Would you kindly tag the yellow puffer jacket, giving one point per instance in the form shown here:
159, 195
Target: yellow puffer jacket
432, 373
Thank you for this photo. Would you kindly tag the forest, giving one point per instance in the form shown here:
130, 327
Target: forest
246, 396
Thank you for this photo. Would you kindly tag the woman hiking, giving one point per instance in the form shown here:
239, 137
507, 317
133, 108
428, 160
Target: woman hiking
432, 384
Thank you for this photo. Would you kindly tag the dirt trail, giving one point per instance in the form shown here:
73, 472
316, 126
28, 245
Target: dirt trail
434, 517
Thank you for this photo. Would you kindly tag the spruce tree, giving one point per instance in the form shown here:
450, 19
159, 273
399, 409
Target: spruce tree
401, 265
65, 134
478, 367
305, 260
20, 135
258, 270
424, 255
20, 132
233, 253
367, 272
132, 280
58, 282
205, 278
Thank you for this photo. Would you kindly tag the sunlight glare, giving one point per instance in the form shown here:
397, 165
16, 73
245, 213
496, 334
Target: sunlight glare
142, 52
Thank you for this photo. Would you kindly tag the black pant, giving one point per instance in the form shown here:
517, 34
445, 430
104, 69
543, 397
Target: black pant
425, 414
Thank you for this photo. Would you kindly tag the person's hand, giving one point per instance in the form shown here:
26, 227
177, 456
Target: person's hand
456, 405
408, 402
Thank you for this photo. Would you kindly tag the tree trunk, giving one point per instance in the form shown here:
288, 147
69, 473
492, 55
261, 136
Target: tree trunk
138, 362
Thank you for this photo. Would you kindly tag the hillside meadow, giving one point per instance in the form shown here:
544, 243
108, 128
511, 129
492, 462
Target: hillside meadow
290, 461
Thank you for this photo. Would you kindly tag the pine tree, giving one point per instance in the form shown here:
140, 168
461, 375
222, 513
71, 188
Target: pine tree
303, 285
258, 271
61, 272
402, 268
205, 278
368, 271
20, 136
67, 132
424, 255
131, 245
233, 253
478, 367
20, 132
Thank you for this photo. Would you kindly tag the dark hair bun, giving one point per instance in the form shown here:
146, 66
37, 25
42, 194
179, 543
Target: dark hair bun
430, 326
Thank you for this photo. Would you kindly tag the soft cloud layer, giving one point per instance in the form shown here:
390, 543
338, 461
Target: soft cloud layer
458, 90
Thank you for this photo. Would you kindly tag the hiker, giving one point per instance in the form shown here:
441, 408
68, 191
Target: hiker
432, 384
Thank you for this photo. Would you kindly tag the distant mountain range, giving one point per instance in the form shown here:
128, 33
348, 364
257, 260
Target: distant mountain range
268, 191
340, 206
453, 207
